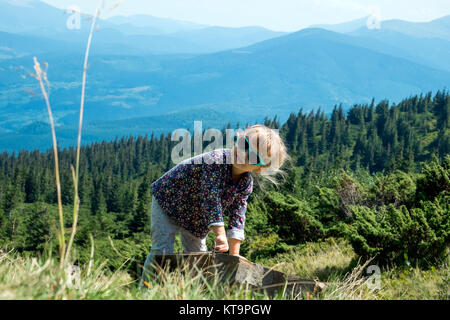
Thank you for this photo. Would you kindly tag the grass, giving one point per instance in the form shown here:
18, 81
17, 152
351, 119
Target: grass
41, 76
37, 278
334, 262
414, 283
331, 261
314, 260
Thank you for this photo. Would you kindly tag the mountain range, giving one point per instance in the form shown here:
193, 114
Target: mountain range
438, 28
139, 33
150, 74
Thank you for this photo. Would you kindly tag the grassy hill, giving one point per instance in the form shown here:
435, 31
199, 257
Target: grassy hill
27, 277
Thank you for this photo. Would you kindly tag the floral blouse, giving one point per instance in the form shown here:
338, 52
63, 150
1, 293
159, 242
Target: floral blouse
199, 191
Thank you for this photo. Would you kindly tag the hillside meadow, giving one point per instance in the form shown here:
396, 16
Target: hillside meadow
367, 190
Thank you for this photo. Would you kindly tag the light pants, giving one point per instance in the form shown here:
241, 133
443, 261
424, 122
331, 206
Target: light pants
163, 232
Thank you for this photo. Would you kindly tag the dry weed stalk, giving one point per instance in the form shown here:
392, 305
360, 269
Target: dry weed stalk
353, 285
76, 205
41, 76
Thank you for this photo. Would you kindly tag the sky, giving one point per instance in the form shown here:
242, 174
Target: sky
279, 15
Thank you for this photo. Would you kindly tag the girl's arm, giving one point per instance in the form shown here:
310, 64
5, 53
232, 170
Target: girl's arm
234, 245
221, 243
236, 212
235, 233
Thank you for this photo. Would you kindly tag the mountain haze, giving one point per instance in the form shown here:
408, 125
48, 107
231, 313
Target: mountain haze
152, 74
141, 33
437, 28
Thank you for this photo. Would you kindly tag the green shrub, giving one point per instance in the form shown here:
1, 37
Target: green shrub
435, 179
30, 226
399, 235
396, 188
256, 218
293, 219
327, 203
403, 221
263, 246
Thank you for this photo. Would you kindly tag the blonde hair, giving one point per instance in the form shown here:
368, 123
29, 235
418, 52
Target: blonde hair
271, 149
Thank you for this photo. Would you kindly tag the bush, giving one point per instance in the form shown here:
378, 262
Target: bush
435, 179
263, 246
257, 219
350, 192
399, 235
396, 188
328, 204
30, 226
402, 221
293, 219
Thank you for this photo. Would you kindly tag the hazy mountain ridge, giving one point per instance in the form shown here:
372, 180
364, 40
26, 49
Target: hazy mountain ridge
310, 68
437, 28
155, 24
141, 33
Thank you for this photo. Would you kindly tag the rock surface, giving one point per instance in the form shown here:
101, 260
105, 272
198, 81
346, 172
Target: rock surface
234, 269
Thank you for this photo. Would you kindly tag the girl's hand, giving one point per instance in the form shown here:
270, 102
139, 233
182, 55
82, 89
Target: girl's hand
221, 244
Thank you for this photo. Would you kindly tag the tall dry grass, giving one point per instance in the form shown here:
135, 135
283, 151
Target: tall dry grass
75, 173
41, 278
24, 277
41, 76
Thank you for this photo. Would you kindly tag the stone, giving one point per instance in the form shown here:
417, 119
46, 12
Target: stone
236, 269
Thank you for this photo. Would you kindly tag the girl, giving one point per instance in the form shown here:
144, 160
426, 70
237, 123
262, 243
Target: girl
194, 196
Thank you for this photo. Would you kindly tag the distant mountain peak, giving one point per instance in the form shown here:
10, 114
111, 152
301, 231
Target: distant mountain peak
444, 19
165, 25
22, 3
343, 27
437, 28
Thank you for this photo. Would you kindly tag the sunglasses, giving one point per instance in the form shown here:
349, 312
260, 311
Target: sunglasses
249, 149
